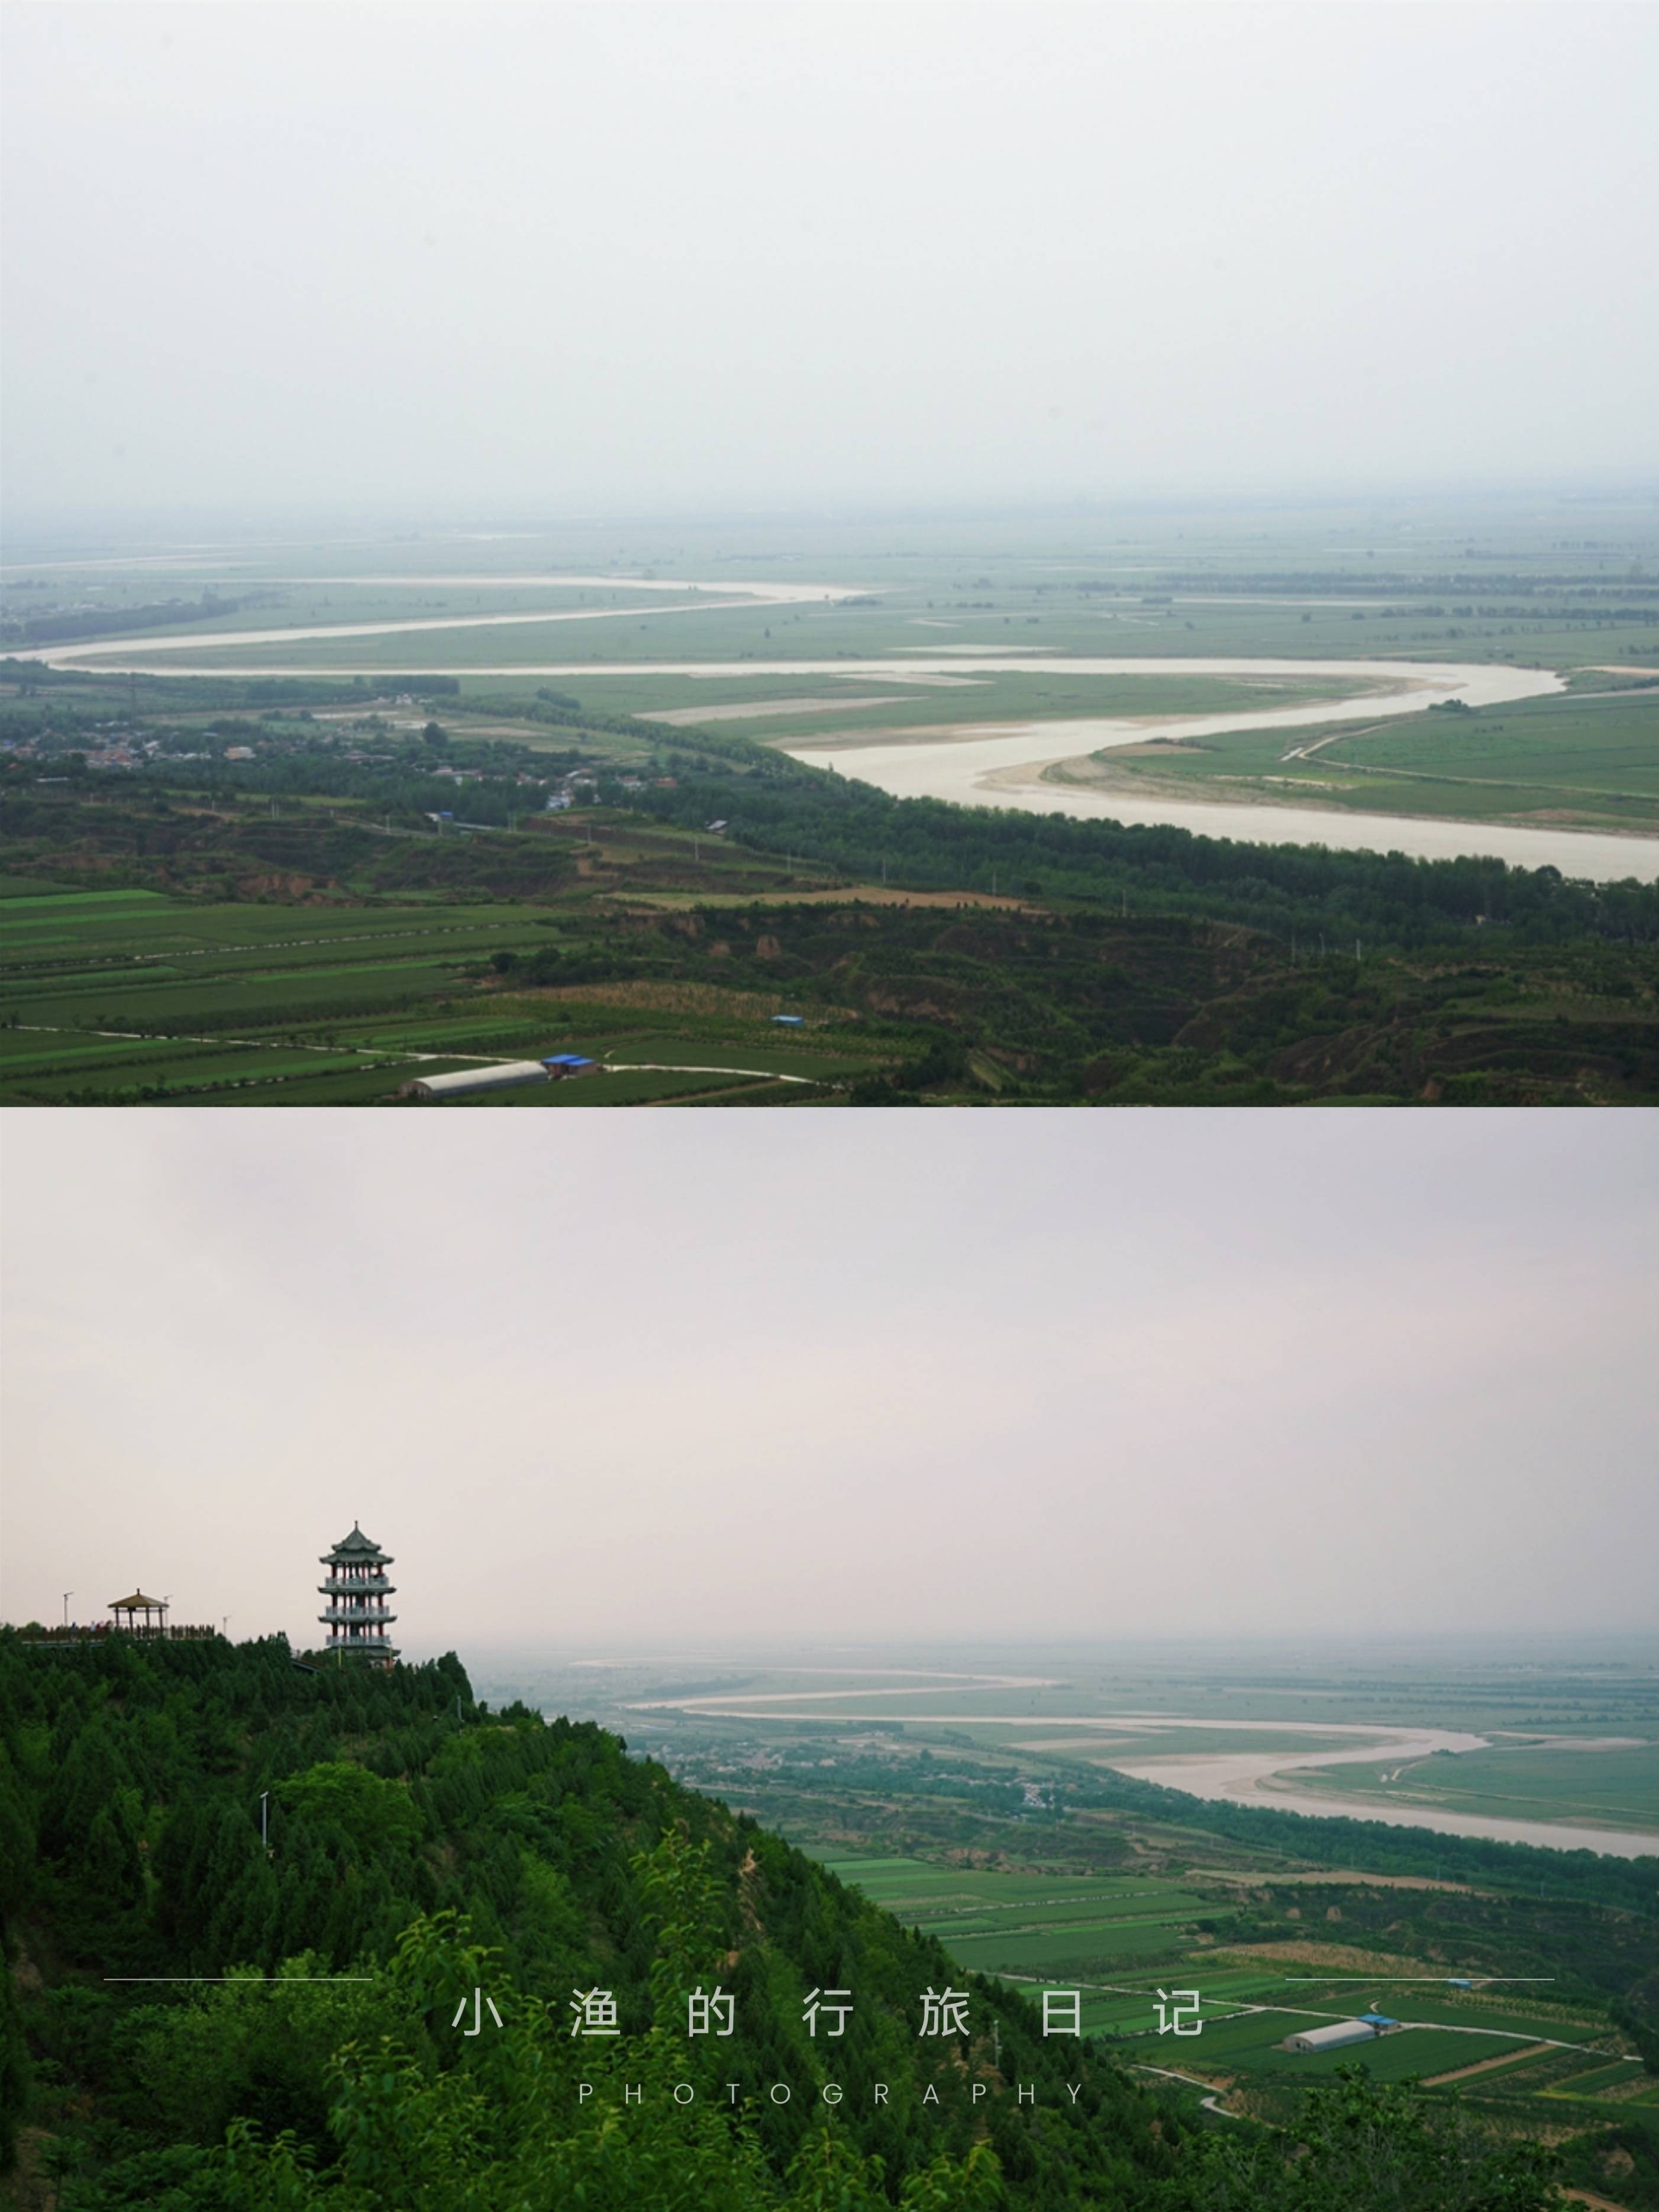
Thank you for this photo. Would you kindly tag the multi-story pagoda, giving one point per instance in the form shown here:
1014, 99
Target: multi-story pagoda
356, 1616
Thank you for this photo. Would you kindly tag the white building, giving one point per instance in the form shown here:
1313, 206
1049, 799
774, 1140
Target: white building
1333, 2038
460, 1079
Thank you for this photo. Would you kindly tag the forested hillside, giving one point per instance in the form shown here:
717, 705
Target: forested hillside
465, 1868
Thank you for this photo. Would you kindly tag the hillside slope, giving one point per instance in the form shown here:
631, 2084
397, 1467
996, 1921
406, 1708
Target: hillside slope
466, 1868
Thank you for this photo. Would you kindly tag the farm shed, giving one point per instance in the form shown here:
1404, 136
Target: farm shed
463, 1080
1331, 2038
560, 1064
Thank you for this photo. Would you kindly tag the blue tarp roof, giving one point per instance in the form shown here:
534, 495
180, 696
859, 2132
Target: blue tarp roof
1378, 2020
565, 1060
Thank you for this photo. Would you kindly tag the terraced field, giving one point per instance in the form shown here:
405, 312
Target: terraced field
1059, 1929
128, 996
1126, 1941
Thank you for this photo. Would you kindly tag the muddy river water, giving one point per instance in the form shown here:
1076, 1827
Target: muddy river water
1002, 764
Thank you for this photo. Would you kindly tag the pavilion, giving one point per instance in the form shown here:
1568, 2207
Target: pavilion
135, 1605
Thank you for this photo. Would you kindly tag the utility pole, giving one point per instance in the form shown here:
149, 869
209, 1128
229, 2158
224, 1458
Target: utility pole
264, 1815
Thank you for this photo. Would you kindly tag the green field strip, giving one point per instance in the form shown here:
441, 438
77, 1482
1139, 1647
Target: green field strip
243, 1004
157, 1052
1088, 1898
1397, 2057
230, 967
1599, 2078
990, 1955
345, 1089
1448, 2012
626, 1090
24, 1050
1018, 1920
768, 1059
179, 1081
868, 1873
32, 901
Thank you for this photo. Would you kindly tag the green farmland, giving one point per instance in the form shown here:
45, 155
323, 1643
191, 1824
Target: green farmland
1120, 1940
123, 997
1575, 758
282, 887
1614, 1785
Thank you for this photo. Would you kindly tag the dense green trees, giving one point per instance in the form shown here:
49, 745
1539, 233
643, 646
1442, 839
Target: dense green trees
1384, 899
427, 1854
429, 1859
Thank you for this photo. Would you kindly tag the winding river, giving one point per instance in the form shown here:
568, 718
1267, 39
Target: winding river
1003, 763
1239, 1776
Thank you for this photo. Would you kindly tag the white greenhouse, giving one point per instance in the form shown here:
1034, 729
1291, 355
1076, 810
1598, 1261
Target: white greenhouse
1333, 2037
462, 1079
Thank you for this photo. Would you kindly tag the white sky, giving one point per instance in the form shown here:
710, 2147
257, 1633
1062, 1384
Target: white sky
550, 258
709, 1377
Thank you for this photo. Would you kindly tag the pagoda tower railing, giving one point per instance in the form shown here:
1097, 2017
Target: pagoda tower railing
356, 1615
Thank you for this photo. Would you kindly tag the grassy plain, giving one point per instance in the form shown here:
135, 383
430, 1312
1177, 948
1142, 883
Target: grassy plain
1580, 759
1617, 1786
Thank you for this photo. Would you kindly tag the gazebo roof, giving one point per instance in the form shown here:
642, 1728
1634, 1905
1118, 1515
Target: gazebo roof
356, 1545
136, 1603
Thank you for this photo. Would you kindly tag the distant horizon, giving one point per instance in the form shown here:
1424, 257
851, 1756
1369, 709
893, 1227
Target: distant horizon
246, 522
916, 1376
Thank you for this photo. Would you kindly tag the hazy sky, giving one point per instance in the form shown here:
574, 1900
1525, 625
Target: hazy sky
600, 1378
551, 258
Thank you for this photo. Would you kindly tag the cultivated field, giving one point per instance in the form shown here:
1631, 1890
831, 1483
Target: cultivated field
1577, 759
1122, 1941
